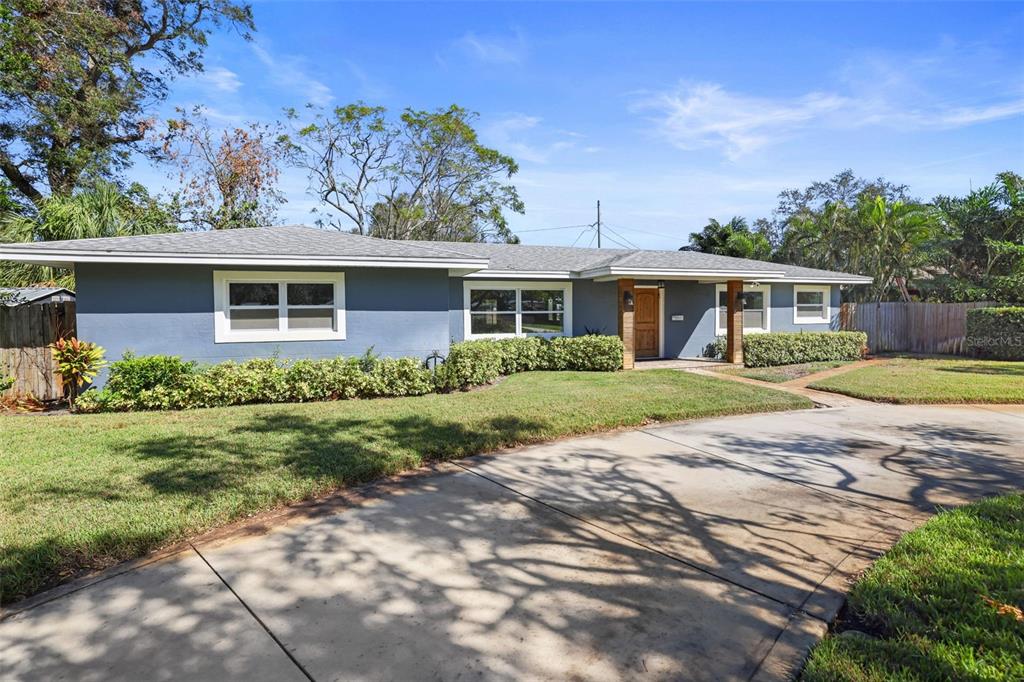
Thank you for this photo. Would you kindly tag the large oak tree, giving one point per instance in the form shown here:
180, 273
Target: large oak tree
79, 78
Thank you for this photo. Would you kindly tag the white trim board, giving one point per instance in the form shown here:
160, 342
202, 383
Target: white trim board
826, 295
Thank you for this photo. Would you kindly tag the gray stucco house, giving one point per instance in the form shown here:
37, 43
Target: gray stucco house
304, 292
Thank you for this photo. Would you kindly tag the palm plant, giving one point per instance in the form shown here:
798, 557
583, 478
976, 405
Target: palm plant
101, 211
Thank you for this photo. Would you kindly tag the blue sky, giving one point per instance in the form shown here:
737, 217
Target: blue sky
669, 113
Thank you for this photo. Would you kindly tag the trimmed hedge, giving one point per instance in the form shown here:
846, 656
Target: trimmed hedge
792, 348
996, 332
161, 382
471, 363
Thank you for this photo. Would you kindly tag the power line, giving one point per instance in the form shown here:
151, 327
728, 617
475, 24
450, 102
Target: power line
548, 229
586, 229
629, 243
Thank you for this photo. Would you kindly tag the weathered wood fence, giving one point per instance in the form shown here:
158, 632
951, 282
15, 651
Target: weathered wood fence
899, 327
26, 332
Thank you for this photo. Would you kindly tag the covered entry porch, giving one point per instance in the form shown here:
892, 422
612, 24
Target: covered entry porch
642, 319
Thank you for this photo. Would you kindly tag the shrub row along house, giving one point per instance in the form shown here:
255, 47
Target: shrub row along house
302, 292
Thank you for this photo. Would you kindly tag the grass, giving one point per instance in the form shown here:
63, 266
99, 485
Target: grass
86, 491
943, 604
778, 375
906, 380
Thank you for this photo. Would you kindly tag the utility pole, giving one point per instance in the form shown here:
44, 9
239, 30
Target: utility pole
599, 223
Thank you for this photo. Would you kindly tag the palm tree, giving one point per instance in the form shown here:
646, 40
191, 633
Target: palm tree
101, 211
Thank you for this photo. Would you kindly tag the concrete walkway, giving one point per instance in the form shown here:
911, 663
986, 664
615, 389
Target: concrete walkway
715, 549
819, 398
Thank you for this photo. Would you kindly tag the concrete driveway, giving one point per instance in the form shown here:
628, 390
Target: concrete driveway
715, 549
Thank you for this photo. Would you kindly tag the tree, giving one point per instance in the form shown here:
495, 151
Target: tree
734, 238
424, 175
228, 178
77, 78
979, 254
100, 211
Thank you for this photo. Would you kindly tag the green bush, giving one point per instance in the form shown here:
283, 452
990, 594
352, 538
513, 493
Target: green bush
996, 332
471, 363
770, 350
161, 382
396, 377
131, 375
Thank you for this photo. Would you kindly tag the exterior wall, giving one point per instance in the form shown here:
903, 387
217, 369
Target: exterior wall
168, 309
696, 302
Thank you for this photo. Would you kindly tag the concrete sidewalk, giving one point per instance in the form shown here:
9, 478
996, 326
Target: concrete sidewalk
716, 549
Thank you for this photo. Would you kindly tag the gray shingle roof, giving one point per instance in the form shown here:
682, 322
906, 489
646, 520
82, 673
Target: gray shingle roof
300, 242
288, 240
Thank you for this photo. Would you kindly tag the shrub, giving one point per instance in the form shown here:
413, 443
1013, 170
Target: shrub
583, 353
996, 332
78, 362
130, 375
397, 377
716, 349
769, 350
334, 379
469, 363
5, 382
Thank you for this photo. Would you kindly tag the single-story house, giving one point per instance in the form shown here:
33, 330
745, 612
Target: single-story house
305, 292
15, 296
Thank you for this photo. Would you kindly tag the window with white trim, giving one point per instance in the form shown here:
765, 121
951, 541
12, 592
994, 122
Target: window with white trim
757, 309
279, 306
811, 304
504, 309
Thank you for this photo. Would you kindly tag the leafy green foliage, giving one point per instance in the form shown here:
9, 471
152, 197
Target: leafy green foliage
734, 238
944, 603
6, 382
78, 362
422, 175
791, 348
79, 78
472, 363
996, 332
784, 348
102, 210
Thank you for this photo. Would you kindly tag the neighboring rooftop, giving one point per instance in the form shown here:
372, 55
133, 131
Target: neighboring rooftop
12, 296
306, 246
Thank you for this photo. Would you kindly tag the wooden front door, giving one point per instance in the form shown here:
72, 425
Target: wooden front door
646, 322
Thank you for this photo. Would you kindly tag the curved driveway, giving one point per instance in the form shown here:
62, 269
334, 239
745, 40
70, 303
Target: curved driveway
715, 549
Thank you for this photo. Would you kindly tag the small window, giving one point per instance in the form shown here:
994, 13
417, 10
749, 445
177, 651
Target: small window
279, 306
502, 309
756, 312
811, 304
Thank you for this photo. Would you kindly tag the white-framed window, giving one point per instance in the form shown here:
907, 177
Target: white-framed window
757, 308
812, 304
506, 309
278, 306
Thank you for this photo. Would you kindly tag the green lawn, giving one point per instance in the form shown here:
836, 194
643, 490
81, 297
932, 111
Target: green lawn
906, 380
86, 491
777, 375
943, 604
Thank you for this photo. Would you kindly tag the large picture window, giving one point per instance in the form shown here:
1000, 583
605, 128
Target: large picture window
497, 309
279, 306
811, 304
756, 308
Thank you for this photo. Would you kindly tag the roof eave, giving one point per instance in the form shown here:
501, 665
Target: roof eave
68, 257
608, 273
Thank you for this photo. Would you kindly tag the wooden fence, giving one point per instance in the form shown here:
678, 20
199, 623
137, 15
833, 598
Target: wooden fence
900, 327
26, 331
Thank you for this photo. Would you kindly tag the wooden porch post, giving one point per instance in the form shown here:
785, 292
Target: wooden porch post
626, 322
734, 322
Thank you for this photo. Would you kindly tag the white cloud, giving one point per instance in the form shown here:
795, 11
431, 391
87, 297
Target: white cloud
289, 72
522, 137
695, 116
905, 93
219, 79
369, 87
494, 49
